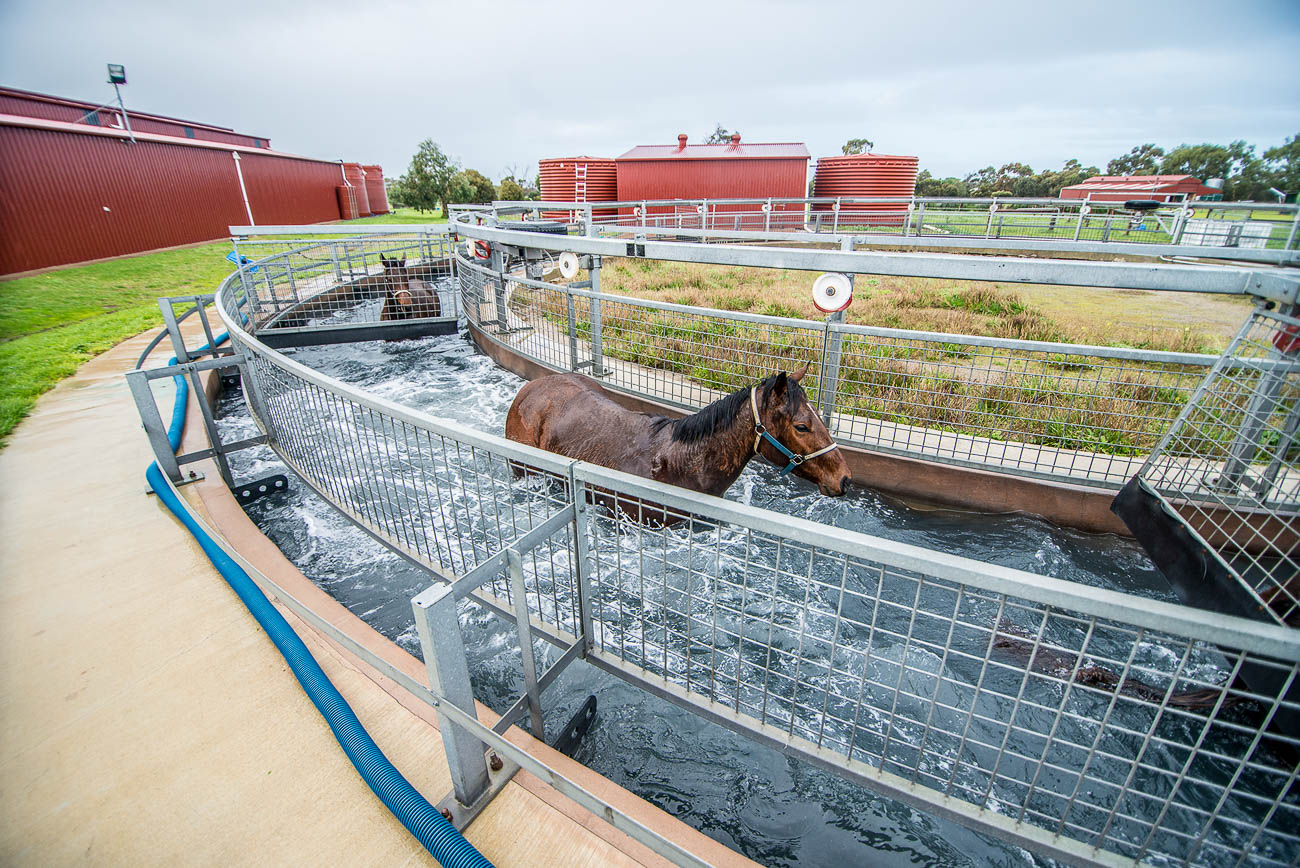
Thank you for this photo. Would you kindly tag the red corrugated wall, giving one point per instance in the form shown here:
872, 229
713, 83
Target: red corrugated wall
70, 196
718, 178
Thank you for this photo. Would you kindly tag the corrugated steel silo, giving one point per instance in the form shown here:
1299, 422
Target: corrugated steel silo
356, 176
578, 179
866, 176
375, 189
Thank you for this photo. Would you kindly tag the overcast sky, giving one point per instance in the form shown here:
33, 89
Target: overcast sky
961, 85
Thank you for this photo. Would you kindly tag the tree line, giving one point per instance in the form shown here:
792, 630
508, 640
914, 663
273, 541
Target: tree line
434, 179
1247, 176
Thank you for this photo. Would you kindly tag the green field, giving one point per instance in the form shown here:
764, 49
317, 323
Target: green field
50, 323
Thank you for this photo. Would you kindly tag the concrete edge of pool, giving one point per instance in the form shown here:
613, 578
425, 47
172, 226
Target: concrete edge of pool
145, 714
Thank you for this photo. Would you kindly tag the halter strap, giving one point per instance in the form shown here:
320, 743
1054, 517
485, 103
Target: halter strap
761, 432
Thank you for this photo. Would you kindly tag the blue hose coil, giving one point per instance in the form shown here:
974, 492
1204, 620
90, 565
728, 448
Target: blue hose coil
414, 812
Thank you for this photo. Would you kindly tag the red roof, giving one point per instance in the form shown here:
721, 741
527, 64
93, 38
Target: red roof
1134, 183
761, 150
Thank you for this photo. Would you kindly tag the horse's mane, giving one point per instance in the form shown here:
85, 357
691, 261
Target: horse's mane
720, 414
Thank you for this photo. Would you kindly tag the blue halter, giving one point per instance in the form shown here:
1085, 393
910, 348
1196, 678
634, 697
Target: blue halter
761, 433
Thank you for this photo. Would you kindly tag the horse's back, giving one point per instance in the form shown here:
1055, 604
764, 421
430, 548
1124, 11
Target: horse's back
573, 416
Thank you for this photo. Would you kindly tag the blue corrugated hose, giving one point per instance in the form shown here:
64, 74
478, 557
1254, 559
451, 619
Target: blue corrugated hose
422, 819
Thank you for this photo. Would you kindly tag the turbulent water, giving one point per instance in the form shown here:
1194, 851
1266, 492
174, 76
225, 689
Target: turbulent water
774, 809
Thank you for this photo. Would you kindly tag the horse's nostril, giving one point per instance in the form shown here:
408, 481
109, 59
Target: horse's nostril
844, 482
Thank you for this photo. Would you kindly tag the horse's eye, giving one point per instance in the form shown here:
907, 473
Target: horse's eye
804, 428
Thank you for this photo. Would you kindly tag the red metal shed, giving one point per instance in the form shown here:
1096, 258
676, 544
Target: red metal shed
75, 192
727, 171
1121, 188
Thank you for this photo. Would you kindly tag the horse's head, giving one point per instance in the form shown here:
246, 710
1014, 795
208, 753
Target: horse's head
395, 273
789, 417
405, 294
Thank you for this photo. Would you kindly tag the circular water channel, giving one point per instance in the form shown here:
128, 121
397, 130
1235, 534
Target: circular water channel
776, 810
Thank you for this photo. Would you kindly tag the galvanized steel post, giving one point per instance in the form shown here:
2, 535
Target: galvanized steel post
154, 429
444, 658
573, 330
828, 375
580, 544
515, 566
597, 351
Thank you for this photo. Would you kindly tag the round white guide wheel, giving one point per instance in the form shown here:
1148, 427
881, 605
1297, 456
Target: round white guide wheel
568, 265
832, 292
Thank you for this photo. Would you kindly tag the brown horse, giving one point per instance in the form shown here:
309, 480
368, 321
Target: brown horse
574, 416
406, 296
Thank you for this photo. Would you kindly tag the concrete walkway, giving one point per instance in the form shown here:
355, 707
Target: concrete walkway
145, 717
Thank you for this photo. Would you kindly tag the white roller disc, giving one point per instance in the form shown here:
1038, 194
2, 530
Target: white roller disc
568, 265
832, 292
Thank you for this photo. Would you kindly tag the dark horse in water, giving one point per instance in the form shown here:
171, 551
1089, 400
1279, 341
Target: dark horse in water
574, 416
406, 296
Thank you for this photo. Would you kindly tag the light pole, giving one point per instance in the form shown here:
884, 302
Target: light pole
117, 78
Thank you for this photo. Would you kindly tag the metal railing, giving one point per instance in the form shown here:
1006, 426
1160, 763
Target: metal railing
1257, 231
1086, 724
1067, 412
322, 282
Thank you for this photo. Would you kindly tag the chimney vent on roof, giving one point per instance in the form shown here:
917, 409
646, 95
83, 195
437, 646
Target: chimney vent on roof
681, 141
735, 140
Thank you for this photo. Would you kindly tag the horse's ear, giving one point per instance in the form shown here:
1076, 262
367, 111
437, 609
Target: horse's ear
799, 376
778, 386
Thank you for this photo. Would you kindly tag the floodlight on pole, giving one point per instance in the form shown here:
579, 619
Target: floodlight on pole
117, 78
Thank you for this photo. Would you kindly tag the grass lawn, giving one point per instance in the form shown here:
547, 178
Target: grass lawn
52, 322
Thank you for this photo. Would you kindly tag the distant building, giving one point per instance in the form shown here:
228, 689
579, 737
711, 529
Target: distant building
1122, 188
76, 187
732, 170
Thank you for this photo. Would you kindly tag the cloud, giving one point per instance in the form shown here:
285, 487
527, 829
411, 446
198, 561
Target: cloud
958, 84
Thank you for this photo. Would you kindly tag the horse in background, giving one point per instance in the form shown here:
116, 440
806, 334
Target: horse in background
406, 296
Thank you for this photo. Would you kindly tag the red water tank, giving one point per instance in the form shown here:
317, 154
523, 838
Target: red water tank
357, 178
375, 189
579, 179
866, 176
347, 201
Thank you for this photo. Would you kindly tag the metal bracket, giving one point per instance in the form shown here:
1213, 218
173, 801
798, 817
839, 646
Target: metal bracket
251, 491
500, 773
189, 477
568, 740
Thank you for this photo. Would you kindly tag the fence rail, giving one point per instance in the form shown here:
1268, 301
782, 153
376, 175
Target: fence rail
1259, 231
1088, 725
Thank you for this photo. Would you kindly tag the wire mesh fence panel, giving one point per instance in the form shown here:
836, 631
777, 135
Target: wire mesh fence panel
1078, 413
928, 679
1229, 463
443, 500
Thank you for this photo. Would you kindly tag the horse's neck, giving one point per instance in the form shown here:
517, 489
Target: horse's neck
712, 464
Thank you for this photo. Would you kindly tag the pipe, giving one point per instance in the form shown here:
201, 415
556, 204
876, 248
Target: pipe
421, 819
242, 189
